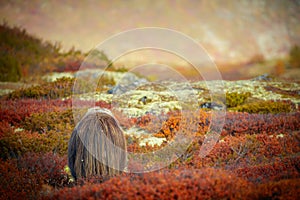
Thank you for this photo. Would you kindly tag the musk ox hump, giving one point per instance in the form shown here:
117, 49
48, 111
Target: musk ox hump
97, 146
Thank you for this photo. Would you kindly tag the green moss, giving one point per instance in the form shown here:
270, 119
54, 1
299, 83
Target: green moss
264, 107
234, 99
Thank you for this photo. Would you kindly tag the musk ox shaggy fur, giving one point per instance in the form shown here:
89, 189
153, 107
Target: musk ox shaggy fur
97, 146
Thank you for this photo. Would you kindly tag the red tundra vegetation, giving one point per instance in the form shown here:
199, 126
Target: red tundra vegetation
256, 156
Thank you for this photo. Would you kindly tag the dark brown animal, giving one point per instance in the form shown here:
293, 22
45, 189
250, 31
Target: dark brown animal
97, 146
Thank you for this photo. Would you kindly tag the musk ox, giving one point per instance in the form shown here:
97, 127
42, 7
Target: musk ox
97, 146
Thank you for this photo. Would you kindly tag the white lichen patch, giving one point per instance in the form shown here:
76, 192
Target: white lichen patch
18, 130
5, 91
132, 112
94, 96
280, 135
136, 132
169, 96
152, 141
157, 102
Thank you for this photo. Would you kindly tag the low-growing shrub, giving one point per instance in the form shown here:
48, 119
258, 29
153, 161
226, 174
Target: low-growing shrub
15, 111
46, 121
236, 123
58, 89
283, 189
32, 176
244, 123
61, 88
50, 166
15, 144
5, 128
243, 150
169, 128
18, 183
286, 168
175, 184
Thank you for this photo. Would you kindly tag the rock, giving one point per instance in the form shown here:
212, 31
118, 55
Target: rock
211, 105
264, 77
128, 82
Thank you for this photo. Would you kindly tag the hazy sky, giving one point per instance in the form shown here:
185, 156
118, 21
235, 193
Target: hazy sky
227, 29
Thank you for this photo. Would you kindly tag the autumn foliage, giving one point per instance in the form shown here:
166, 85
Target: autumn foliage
255, 157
